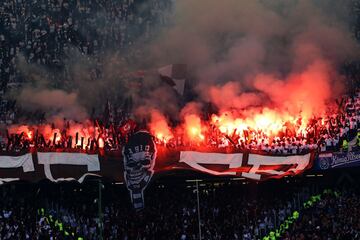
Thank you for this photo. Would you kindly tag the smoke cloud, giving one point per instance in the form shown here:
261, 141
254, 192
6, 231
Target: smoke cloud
53, 102
281, 54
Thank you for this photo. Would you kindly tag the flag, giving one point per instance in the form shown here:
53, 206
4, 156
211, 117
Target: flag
175, 76
127, 127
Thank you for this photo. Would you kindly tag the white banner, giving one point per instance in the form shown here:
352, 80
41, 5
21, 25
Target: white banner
24, 161
300, 163
52, 158
194, 159
276, 165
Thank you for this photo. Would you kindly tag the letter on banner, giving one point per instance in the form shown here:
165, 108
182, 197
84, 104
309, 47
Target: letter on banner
195, 159
301, 162
24, 161
51, 158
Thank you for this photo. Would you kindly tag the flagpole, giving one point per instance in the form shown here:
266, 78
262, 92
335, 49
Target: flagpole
100, 212
198, 207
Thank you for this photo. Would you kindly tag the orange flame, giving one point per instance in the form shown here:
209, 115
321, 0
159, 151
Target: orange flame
101, 142
159, 127
193, 128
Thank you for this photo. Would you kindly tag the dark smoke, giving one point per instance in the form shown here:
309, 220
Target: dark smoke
249, 52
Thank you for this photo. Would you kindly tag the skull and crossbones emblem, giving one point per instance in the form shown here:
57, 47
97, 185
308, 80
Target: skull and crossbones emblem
139, 166
139, 161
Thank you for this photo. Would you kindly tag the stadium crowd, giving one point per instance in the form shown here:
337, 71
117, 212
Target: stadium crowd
333, 217
17, 217
43, 32
339, 130
228, 211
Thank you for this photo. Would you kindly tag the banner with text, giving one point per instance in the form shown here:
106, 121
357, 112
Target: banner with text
337, 160
143, 161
